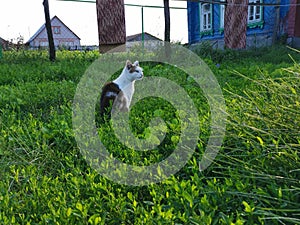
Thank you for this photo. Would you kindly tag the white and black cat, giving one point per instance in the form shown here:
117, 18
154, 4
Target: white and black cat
119, 92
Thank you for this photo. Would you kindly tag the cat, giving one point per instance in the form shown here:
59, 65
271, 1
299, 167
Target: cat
119, 92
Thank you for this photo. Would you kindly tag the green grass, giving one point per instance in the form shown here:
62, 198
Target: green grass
255, 178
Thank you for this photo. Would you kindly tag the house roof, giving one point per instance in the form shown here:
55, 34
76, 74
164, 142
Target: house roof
138, 37
3, 40
44, 27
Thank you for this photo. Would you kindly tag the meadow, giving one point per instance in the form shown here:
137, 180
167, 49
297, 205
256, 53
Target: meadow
255, 178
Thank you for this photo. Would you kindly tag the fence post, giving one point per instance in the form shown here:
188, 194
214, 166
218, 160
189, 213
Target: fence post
143, 33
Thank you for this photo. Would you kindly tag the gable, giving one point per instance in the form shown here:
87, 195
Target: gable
59, 30
3, 43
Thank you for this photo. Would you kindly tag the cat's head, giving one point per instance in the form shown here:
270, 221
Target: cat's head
134, 71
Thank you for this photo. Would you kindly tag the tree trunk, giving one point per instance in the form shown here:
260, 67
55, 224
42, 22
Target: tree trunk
235, 24
111, 24
167, 27
52, 55
167, 20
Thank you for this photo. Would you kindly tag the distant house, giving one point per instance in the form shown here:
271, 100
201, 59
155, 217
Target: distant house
4, 44
138, 38
63, 36
206, 21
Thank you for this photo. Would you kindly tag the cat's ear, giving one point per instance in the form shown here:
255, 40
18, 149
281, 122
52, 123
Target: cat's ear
136, 63
128, 64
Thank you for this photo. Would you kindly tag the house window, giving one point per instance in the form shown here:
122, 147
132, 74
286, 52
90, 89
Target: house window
254, 12
67, 43
56, 30
206, 16
206, 19
255, 15
43, 43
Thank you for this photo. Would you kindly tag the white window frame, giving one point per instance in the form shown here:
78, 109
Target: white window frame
222, 14
206, 21
254, 12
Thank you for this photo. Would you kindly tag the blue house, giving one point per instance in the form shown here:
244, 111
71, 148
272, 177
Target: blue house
206, 21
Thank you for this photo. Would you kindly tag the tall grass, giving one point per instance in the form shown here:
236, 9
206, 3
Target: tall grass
263, 144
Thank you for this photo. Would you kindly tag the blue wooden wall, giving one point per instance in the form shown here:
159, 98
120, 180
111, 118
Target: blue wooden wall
269, 18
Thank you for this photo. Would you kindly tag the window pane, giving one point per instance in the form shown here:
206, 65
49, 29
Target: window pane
254, 11
251, 10
206, 7
257, 10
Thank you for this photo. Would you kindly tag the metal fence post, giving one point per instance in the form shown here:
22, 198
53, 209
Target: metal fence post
143, 33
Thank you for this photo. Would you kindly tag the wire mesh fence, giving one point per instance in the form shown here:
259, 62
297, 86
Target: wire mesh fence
264, 23
143, 22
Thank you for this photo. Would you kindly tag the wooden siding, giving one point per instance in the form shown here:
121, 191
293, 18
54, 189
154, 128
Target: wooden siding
259, 31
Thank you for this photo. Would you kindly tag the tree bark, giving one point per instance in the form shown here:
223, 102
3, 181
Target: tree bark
235, 24
52, 55
111, 24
